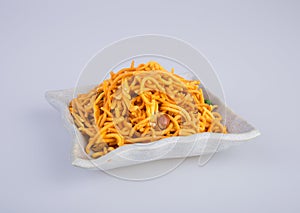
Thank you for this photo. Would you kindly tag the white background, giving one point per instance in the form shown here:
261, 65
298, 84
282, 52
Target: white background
254, 48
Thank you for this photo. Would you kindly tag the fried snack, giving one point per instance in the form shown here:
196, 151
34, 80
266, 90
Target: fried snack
142, 104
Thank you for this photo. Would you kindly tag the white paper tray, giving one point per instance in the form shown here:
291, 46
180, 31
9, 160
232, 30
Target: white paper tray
173, 147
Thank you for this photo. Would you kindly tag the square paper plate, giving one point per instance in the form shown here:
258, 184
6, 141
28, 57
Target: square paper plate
173, 147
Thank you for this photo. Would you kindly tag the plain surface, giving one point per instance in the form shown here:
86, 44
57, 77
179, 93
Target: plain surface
254, 47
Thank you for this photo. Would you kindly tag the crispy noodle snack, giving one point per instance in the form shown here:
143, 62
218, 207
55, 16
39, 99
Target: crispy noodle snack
142, 104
